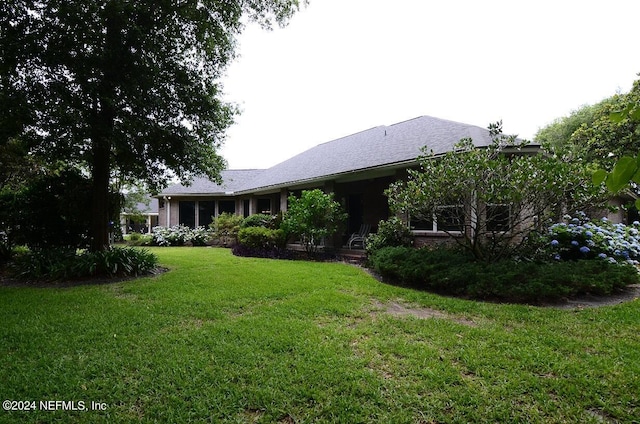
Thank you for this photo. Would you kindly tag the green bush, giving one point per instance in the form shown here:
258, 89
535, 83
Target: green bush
449, 271
259, 220
260, 237
392, 232
313, 217
225, 227
136, 239
60, 264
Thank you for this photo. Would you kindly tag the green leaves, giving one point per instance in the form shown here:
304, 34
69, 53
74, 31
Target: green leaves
625, 171
630, 111
313, 216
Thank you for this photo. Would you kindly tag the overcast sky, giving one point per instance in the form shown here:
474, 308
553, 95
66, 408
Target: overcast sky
343, 66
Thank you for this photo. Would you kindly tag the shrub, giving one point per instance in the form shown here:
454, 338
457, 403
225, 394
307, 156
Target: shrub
260, 237
273, 253
60, 264
177, 235
259, 220
5, 248
313, 217
225, 227
392, 232
449, 271
199, 236
580, 238
137, 239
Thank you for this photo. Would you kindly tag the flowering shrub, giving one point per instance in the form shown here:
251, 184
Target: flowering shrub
580, 238
178, 235
200, 236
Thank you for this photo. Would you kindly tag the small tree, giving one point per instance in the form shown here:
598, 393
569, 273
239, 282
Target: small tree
490, 199
313, 217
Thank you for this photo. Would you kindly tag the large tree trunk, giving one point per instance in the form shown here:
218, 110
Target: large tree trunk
102, 126
100, 206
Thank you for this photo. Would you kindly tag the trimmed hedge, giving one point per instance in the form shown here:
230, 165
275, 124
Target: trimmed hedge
261, 237
448, 271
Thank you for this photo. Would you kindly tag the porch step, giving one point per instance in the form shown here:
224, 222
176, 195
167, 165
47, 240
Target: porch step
353, 256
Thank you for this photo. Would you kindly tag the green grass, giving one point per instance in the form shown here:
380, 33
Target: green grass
227, 339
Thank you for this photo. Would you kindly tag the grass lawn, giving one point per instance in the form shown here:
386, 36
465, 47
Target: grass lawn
227, 339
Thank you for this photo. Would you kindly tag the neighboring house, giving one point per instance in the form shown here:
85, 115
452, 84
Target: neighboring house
142, 220
356, 168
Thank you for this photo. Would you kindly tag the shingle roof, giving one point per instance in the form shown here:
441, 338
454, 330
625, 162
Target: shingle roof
375, 147
233, 180
380, 146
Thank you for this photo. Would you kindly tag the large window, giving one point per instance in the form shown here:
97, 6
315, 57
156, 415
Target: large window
447, 218
187, 213
246, 208
264, 206
228, 206
206, 212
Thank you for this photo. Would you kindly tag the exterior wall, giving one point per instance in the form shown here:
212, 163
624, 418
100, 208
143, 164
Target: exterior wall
169, 208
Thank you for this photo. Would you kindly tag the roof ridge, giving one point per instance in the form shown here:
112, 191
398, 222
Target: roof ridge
437, 119
351, 135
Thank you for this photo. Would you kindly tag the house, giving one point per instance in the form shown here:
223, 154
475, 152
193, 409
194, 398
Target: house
356, 168
141, 219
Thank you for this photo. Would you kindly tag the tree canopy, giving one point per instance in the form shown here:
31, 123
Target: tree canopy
127, 89
591, 134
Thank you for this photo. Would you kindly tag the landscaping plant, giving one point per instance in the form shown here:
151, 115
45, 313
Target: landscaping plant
313, 217
489, 200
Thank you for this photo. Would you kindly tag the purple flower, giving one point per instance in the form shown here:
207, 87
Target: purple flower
554, 243
574, 243
585, 250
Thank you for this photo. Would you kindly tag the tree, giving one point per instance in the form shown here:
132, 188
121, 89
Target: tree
557, 135
119, 88
490, 199
626, 170
313, 217
592, 135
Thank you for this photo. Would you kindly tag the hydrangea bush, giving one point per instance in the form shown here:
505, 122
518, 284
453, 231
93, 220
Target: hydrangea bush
580, 238
178, 235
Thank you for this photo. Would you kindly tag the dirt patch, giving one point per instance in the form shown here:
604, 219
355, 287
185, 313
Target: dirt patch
398, 309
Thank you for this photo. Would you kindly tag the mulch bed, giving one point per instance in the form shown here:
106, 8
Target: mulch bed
8, 281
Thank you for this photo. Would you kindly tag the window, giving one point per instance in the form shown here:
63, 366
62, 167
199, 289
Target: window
187, 214
498, 218
206, 211
450, 218
264, 206
421, 224
246, 207
228, 206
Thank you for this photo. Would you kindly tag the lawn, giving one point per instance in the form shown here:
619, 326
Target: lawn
220, 338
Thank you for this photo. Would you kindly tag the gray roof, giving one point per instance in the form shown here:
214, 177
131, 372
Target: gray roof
378, 147
233, 180
375, 147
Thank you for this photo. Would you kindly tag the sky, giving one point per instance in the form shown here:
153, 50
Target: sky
344, 66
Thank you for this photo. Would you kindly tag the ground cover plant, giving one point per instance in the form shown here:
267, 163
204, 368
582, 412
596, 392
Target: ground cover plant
64, 264
453, 272
221, 338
